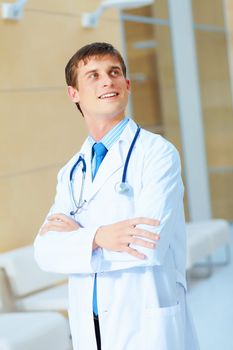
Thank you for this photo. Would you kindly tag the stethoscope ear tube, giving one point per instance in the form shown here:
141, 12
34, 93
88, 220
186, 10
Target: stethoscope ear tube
123, 181
78, 205
84, 167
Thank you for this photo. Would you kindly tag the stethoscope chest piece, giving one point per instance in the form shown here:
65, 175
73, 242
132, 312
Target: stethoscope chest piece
123, 188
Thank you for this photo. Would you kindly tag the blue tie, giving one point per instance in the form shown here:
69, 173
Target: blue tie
100, 151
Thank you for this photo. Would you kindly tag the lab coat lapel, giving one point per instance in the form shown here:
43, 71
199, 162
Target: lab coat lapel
110, 164
113, 161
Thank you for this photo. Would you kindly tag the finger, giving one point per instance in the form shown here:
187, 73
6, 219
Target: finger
59, 217
135, 253
147, 234
43, 230
137, 221
142, 220
141, 242
55, 217
53, 226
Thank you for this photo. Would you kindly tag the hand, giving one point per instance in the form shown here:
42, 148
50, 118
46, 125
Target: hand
119, 236
59, 222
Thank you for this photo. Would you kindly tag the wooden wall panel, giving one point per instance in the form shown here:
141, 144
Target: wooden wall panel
215, 96
213, 68
168, 87
142, 62
40, 128
229, 23
154, 100
208, 12
216, 99
222, 193
219, 137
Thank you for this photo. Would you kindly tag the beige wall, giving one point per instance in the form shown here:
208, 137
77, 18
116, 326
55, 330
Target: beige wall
40, 128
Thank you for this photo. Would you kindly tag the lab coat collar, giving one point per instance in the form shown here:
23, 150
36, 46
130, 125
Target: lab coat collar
113, 161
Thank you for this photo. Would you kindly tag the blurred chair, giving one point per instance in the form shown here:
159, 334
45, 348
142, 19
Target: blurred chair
204, 238
34, 331
5, 299
26, 288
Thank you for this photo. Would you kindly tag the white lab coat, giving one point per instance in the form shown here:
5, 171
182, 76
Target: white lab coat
141, 303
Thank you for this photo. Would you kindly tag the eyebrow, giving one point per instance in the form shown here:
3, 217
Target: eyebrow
90, 71
116, 67
96, 70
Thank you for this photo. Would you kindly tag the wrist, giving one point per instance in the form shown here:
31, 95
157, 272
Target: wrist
95, 244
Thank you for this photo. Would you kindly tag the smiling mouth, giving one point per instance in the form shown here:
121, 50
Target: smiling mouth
108, 95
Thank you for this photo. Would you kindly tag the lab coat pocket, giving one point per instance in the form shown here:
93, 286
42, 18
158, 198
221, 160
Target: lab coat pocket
163, 328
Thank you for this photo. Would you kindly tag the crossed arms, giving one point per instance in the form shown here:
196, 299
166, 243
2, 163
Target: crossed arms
64, 246
114, 237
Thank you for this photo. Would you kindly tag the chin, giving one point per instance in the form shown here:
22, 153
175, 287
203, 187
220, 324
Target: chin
113, 112
112, 115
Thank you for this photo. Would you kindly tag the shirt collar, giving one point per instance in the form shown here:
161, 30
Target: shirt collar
112, 136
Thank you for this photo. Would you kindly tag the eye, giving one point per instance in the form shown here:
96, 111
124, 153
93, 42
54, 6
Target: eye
115, 72
93, 75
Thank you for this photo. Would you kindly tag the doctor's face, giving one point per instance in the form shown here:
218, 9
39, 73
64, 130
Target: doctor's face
102, 90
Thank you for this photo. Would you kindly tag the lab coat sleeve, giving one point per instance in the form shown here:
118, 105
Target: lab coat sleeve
66, 252
161, 197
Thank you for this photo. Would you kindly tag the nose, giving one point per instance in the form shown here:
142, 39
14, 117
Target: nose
107, 80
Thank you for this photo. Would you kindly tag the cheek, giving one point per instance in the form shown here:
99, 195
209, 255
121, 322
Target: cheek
125, 87
126, 93
87, 92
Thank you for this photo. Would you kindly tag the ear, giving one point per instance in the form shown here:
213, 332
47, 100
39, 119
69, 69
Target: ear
128, 85
73, 94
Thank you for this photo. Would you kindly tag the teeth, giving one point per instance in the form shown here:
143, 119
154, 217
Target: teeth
109, 95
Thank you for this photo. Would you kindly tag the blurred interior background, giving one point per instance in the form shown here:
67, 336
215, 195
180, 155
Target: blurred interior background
180, 62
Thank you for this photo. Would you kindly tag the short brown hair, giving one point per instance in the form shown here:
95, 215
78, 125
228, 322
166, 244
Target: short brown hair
83, 54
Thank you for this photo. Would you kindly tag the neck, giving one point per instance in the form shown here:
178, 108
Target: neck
99, 128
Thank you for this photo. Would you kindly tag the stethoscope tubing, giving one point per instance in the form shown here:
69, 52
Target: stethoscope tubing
129, 154
84, 169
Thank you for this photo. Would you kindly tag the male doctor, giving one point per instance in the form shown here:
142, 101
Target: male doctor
124, 252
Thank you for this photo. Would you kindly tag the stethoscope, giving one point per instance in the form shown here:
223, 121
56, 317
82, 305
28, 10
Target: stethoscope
121, 187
